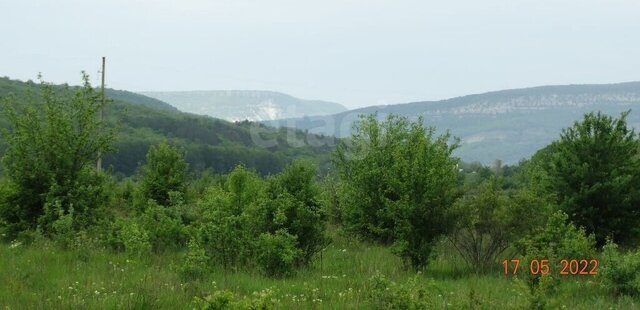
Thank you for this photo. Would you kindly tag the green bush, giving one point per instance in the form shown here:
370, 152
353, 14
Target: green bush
386, 294
557, 240
223, 230
134, 238
620, 271
164, 172
164, 226
594, 172
53, 143
399, 181
292, 204
489, 220
226, 300
62, 227
243, 219
195, 264
276, 254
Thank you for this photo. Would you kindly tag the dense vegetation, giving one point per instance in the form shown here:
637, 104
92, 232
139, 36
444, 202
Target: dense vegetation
208, 143
397, 223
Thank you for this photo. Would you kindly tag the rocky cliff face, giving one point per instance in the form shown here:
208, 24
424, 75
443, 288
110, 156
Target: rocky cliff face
239, 105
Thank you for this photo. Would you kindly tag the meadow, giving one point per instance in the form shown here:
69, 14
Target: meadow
43, 276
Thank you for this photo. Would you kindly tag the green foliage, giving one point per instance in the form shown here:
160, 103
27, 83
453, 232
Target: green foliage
224, 229
279, 225
224, 232
292, 204
489, 220
557, 240
386, 294
134, 238
226, 300
53, 141
164, 172
209, 143
196, 261
164, 226
330, 198
620, 271
594, 172
399, 182
277, 253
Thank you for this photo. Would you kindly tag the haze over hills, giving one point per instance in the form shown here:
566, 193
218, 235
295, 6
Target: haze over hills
509, 125
239, 105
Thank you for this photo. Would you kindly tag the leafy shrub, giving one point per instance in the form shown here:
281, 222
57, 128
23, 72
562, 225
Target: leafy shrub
399, 181
277, 253
195, 264
164, 227
52, 145
292, 205
135, 238
164, 172
489, 220
281, 223
62, 227
223, 230
386, 294
594, 172
620, 271
226, 300
559, 239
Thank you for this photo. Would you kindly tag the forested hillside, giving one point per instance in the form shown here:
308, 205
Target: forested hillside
208, 142
509, 125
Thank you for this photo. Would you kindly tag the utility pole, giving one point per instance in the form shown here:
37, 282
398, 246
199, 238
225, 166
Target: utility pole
99, 165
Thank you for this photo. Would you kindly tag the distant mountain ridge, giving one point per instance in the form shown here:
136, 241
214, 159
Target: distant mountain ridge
509, 125
239, 105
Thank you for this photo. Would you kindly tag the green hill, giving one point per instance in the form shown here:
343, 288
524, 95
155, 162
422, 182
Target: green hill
508, 125
209, 143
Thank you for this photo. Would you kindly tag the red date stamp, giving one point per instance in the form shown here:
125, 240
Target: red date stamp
582, 267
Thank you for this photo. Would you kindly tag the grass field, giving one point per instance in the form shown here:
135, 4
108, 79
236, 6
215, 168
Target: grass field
42, 276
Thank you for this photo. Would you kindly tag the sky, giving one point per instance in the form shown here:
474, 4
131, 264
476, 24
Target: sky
358, 53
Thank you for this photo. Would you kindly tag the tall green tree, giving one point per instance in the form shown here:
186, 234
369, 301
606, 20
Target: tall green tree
594, 173
399, 181
165, 172
53, 142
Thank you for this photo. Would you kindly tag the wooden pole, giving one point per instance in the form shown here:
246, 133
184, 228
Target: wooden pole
99, 165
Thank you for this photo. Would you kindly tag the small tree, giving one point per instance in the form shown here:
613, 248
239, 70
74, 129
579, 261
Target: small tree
53, 143
594, 172
399, 182
291, 205
489, 220
165, 172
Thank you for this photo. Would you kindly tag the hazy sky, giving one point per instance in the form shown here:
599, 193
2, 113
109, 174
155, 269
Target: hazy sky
357, 53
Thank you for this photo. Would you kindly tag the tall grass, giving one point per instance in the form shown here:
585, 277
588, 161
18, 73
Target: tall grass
42, 276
